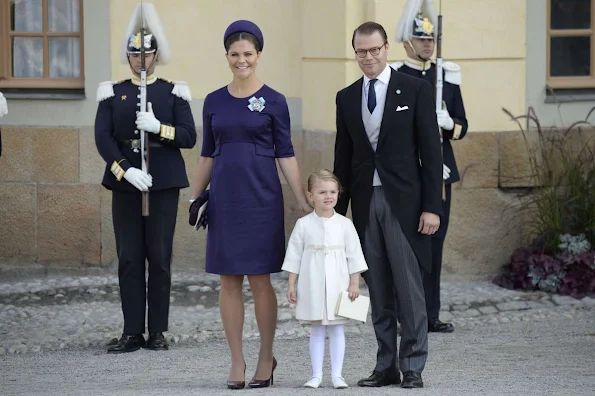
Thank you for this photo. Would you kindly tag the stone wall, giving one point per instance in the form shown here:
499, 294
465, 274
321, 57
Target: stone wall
55, 214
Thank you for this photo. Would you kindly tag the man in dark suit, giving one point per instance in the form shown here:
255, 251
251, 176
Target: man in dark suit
388, 159
170, 127
417, 35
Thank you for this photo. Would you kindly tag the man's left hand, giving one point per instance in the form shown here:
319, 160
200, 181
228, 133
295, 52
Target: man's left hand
444, 120
146, 121
428, 223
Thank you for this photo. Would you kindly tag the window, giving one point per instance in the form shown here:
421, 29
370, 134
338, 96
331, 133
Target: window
41, 44
571, 44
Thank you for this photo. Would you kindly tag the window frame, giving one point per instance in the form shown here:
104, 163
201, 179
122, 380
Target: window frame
6, 81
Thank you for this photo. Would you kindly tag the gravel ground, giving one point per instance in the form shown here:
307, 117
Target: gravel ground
73, 313
553, 357
53, 333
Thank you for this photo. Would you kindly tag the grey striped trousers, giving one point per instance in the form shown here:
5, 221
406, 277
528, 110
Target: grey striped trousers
395, 283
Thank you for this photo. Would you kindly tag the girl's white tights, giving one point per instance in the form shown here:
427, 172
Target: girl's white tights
337, 349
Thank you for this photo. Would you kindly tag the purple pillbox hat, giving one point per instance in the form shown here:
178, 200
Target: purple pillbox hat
244, 26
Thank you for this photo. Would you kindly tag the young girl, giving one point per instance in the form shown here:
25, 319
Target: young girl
324, 250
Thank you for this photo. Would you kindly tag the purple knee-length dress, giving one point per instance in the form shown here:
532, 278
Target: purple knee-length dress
246, 234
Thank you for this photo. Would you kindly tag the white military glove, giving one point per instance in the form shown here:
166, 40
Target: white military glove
138, 179
444, 120
445, 172
146, 121
3, 106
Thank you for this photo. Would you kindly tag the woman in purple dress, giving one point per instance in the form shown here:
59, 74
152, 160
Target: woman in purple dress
245, 129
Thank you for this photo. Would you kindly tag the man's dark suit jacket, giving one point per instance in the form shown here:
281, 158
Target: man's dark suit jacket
406, 137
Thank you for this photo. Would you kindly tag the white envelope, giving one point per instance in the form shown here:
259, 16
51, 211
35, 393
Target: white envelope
357, 309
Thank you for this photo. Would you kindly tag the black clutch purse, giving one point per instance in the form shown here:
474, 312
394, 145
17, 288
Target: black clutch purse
194, 220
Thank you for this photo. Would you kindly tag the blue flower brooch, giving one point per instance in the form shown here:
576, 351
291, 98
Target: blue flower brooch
256, 104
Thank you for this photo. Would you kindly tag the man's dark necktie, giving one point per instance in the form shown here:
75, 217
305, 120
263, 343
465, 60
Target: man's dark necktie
372, 96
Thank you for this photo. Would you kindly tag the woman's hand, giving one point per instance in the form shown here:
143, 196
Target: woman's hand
291, 171
305, 209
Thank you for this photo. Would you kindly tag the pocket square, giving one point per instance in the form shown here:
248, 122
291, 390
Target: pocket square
399, 108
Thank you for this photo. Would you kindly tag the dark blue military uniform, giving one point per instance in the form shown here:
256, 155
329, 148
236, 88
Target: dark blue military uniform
451, 95
115, 130
141, 238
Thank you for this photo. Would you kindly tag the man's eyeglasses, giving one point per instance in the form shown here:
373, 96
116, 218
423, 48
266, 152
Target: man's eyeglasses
361, 53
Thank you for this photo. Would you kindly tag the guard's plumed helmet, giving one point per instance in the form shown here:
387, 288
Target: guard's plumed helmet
134, 44
418, 20
155, 39
422, 28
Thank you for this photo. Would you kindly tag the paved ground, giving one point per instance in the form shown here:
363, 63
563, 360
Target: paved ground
53, 333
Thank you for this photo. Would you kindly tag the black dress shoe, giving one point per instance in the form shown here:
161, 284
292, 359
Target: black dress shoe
127, 343
380, 378
411, 379
156, 342
436, 326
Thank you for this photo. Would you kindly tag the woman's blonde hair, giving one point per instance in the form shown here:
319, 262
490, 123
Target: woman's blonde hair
325, 175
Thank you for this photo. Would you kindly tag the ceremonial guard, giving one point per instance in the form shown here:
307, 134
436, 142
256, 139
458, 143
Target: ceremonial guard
3, 112
417, 31
141, 125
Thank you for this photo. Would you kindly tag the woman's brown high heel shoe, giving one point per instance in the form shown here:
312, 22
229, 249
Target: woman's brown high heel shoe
237, 384
256, 383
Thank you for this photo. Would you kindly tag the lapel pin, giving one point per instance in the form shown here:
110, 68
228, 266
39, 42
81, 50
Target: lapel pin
398, 91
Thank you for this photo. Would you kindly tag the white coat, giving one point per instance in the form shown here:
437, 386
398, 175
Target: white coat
324, 252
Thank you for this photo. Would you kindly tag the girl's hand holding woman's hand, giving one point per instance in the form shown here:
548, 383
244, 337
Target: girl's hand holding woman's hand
291, 295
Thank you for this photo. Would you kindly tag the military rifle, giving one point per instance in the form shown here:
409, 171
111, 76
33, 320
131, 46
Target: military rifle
144, 143
439, 78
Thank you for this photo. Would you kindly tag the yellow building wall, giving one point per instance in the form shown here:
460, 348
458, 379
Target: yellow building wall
308, 51
195, 29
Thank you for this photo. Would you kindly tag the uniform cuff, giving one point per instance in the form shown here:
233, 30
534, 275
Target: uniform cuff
456, 132
167, 132
118, 169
